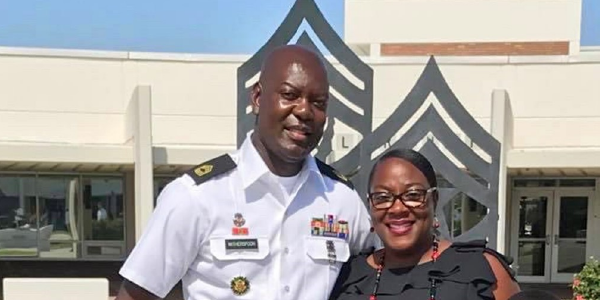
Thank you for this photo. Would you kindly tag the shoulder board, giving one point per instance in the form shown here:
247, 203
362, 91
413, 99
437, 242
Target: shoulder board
332, 173
212, 168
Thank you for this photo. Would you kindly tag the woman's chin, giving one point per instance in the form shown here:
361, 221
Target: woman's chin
402, 244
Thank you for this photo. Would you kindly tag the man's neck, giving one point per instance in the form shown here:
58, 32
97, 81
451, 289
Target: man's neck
275, 164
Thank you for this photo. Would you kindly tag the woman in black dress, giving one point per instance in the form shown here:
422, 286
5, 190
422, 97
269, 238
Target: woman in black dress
414, 264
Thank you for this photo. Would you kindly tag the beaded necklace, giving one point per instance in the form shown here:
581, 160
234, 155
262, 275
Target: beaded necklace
432, 287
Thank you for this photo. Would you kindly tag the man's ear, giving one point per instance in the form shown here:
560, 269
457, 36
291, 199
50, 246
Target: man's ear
255, 97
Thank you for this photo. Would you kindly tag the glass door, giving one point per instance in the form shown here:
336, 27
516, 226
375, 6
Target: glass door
532, 213
569, 241
103, 218
58, 226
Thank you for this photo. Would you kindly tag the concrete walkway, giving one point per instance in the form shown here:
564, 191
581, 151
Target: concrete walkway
562, 290
109, 270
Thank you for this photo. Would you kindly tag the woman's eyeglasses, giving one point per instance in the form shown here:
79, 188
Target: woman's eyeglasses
414, 198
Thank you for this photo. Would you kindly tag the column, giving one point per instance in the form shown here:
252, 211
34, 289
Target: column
139, 133
502, 130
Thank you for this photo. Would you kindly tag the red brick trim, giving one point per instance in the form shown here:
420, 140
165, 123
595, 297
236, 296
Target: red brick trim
471, 49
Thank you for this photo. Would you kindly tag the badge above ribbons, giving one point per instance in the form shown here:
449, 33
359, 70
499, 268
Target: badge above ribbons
238, 222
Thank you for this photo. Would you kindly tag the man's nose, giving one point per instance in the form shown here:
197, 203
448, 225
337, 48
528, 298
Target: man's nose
303, 109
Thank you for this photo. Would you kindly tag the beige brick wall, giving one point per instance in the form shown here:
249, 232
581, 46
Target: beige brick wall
477, 48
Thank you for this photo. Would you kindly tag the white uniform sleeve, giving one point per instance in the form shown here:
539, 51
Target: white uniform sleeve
363, 238
170, 242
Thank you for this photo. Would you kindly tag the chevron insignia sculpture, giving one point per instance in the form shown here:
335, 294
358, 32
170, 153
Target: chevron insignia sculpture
467, 171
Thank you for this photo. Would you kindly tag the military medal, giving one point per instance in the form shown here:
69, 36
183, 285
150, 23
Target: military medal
316, 226
329, 226
238, 222
240, 285
331, 251
343, 229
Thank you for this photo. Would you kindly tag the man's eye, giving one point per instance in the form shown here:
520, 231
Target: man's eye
289, 96
320, 104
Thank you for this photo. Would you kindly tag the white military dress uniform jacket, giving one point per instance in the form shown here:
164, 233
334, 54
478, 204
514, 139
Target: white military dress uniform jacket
229, 231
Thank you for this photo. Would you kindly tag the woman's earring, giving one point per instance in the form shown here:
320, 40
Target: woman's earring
436, 226
372, 229
436, 222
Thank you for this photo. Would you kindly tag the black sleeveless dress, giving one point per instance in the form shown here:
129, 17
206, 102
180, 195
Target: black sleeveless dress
461, 273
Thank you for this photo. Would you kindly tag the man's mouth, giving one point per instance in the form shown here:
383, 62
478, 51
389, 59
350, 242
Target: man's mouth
298, 133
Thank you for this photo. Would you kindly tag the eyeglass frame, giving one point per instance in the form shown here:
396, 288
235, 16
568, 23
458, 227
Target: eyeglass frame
428, 193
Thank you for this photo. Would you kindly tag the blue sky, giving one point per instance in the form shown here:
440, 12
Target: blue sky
590, 23
205, 26
196, 26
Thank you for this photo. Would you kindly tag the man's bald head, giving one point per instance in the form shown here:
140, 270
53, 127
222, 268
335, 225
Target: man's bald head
290, 104
282, 57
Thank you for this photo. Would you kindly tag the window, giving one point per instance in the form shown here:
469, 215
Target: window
19, 222
534, 182
61, 216
551, 182
57, 198
104, 212
462, 212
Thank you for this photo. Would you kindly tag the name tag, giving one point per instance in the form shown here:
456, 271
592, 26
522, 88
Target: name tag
241, 244
229, 248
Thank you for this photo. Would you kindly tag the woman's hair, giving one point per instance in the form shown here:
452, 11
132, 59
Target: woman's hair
413, 157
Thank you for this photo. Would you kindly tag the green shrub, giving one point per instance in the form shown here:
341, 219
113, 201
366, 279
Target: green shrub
586, 284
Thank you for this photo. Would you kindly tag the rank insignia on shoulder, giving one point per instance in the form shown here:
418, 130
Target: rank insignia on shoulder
212, 168
334, 174
240, 285
203, 170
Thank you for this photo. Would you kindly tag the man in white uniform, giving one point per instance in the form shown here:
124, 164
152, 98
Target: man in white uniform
101, 214
266, 222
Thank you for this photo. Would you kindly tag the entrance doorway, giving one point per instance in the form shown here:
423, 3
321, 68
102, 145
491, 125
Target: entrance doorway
549, 236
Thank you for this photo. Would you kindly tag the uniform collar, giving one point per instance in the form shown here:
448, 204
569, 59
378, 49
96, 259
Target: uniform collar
253, 167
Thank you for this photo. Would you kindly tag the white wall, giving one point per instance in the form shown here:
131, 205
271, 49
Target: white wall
555, 105
75, 99
55, 288
199, 99
82, 100
424, 21
62, 100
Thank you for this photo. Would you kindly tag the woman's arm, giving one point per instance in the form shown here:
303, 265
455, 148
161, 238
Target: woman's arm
505, 285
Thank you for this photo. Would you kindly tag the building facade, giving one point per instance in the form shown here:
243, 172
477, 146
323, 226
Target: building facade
89, 138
